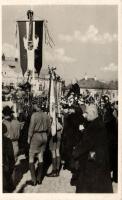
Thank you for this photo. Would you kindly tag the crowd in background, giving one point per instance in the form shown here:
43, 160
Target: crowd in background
86, 140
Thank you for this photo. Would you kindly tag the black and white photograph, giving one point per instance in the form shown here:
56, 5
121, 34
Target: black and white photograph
60, 98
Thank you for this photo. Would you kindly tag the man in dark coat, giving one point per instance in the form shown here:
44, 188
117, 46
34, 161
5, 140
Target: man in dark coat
8, 161
112, 134
71, 133
92, 153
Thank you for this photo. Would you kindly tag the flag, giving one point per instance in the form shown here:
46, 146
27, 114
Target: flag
30, 45
56, 95
52, 109
23, 51
59, 93
38, 51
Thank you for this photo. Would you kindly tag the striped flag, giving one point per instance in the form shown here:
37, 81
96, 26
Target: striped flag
59, 94
52, 108
30, 45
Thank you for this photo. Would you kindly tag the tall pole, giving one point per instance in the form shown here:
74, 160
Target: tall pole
33, 24
30, 40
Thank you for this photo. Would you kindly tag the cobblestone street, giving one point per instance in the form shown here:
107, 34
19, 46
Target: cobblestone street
59, 184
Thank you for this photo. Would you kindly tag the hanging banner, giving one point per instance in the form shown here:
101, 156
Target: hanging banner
23, 51
30, 45
39, 49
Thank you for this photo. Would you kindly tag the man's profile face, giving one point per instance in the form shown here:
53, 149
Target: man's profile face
71, 110
66, 110
91, 113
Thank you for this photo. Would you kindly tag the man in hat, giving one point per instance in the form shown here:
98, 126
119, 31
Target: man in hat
74, 88
37, 138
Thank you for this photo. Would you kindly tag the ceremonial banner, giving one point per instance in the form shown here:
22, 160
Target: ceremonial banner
56, 95
30, 45
23, 51
52, 108
59, 93
38, 50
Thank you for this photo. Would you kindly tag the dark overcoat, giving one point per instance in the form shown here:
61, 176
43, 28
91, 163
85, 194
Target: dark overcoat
94, 172
71, 134
8, 163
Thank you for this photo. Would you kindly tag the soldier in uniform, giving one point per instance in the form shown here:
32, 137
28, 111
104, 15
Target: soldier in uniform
37, 138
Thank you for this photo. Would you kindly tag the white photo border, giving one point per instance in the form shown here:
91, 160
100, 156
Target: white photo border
69, 196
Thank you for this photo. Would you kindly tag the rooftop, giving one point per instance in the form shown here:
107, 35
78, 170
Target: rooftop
91, 83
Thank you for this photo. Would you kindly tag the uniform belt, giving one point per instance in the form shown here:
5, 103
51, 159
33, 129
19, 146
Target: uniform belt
41, 131
59, 129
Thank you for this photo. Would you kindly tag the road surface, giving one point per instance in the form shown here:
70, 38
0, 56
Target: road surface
59, 184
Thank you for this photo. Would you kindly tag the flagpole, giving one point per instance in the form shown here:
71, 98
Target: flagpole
33, 75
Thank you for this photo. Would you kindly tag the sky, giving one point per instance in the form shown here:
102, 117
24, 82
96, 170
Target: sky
85, 37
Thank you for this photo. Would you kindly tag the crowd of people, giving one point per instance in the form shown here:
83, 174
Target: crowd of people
86, 141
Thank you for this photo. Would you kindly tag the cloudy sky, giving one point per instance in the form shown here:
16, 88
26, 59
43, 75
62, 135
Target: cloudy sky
85, 38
